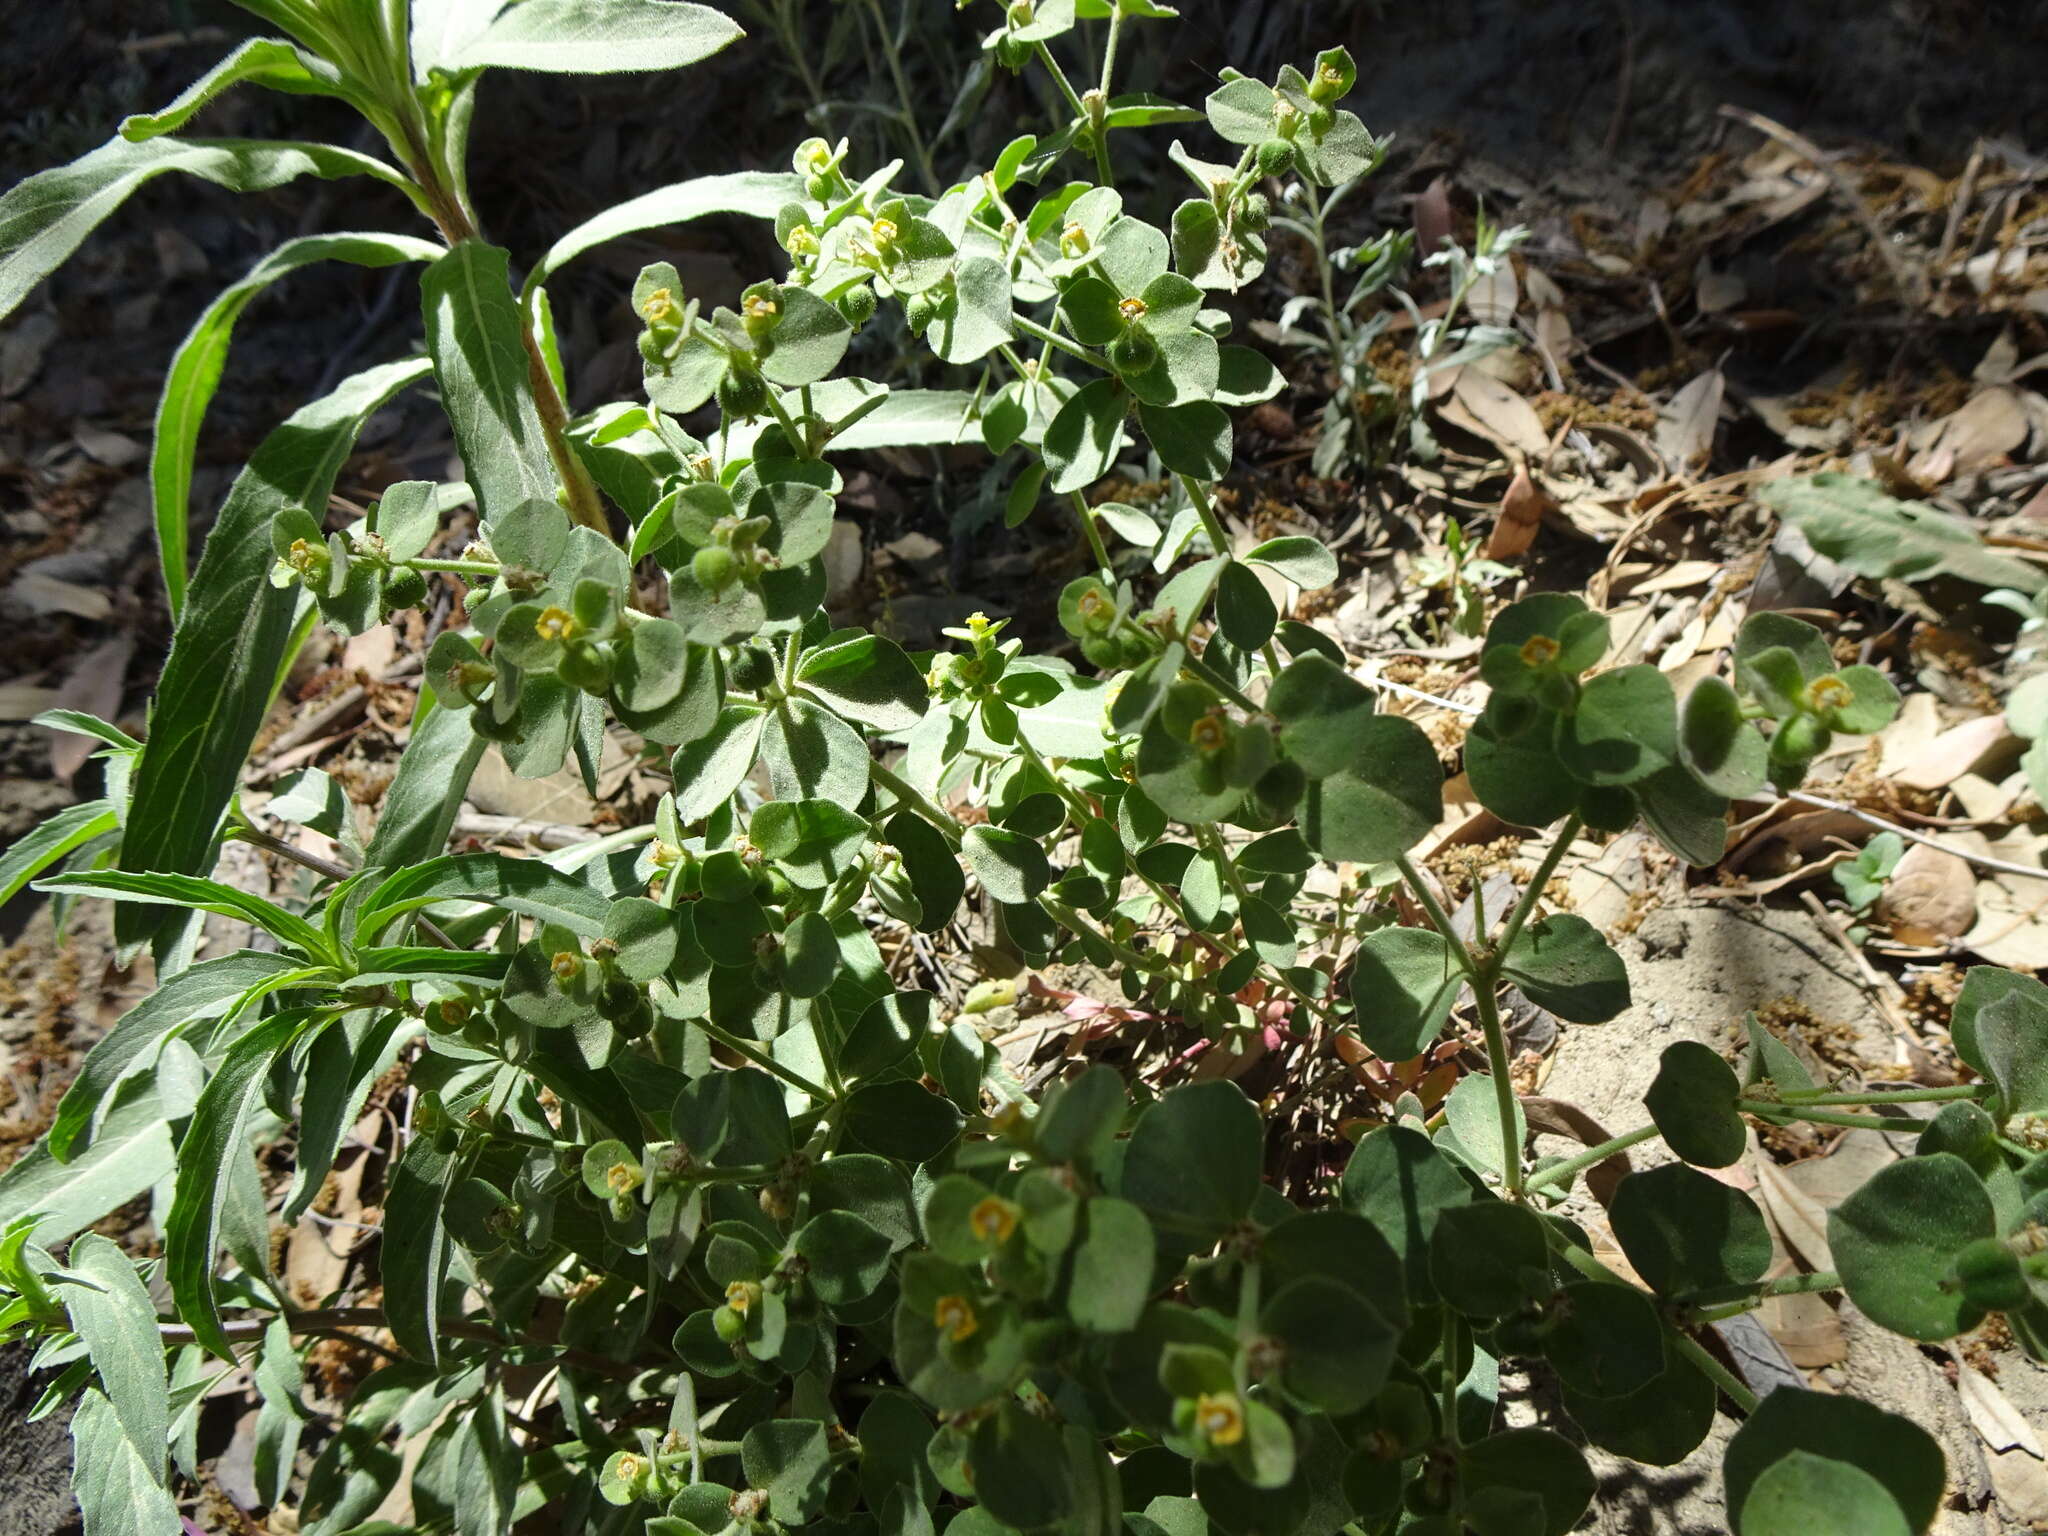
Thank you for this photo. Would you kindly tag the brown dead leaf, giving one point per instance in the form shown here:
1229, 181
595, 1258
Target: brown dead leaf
1931, 897
1950, 755
2003, 1426
1521, 513
1798, 1216
1809, 1329
1487, 408
1685, 427
1985, 430
42, 594
1432, 215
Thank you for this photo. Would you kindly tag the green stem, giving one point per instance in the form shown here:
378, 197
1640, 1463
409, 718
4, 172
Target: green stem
1060, 77
1731, 1386
457, 567
1503, 1086
1534, 893
1805, 1096
1223, 685
1116, 21
1096, 548
914, 800
1211, 525
1433, 909
1247, 1318
1053, 338
1821, 1117
1453, 1327
903, 99
1564, 1172
763, 1060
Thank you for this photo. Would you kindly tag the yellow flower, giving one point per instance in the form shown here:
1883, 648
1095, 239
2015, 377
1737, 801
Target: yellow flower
993, 1220
556, 624
954, 1317
1131, 309
1829, 693
1220, 1417
1539, 651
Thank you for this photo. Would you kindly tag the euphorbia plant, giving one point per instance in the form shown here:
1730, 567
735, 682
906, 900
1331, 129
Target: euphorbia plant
699, 1223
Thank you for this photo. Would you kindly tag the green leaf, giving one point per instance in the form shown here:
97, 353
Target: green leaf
886, 1033
848, 1257
975, 319
1802, 1494
1325, 715
190, 893
2000, 1027
1518, 777
1538, 1461
1399, 1182
1686, 817
598, 37
1082, 440
116, 1494
50, 841
1472, 1126
1302, 560
1897, 1238
422, 802
1724, 751
709, 769
1686, 1233
757, 194
1489, 1258
1192, 1164
1113, 1262
526, 886
414, 1253
473, 335
1011, 867
1692, 1100
1605, 1339
1873, 702
112, 1312
1562, 963
265, 61
868, 680
216, 1138
808, 342
1660, 1424
1338, 1346
1191, 439
224, 661
1245, 610
196, 367
901, 1119
1624, 729
1855, 523
130, 1151
813, 755
1403, 983
44, 218
1384, 805
1894, 1450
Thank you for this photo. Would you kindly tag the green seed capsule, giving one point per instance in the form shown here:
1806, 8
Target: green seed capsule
403, 588
1274, 157
715, 568
1991, 1276
1134, 351
743, 394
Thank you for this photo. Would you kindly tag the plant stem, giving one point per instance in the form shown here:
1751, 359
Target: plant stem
1822, 1117
1504, 1101
1573, 1166
1218, 539
1803, 1096
1086, 514
458, 567
1053, 338
763, 1060
1223, 685
1453, 1327
915, 800
1548, 867
1731, 1386
908, 109
1433, 909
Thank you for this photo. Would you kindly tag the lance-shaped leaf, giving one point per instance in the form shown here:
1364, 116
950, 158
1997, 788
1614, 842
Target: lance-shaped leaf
433, 775
44, 218
196, 369
480, 363
267, 61
216, 1136
70, 829
112, 1312
225, 657
759, 194
600, 37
